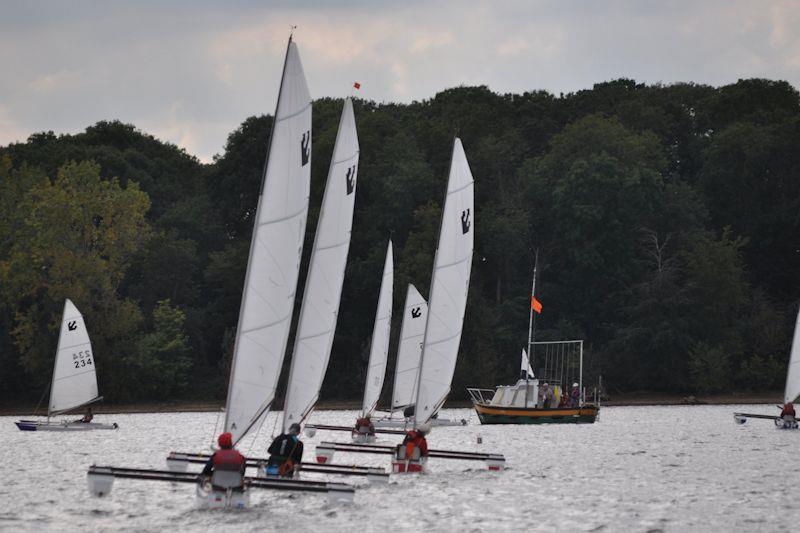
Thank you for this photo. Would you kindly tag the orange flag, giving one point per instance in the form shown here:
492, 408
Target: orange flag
536, 305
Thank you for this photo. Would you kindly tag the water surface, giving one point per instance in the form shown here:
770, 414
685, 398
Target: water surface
638, 469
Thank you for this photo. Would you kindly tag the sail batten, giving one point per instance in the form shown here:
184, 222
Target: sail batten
379, 348
449, 287
275, 251
412, 331
320, 308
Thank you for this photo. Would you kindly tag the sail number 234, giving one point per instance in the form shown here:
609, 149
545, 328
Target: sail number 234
82, 358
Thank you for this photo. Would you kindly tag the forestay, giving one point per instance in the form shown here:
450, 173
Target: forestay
449, 286
412, 331
379, 351
275, 250
323, 289
793, 374
74, 379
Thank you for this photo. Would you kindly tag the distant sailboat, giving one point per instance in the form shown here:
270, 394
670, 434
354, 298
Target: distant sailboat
409, 353
275, 251
379, 351
74, 382
787, 419
412, 332
320, 308
449, 287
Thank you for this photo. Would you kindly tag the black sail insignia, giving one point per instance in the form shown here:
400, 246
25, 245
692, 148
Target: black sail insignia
465, 222
351, 179
305, 143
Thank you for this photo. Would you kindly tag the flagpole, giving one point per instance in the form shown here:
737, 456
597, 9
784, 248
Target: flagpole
531, 319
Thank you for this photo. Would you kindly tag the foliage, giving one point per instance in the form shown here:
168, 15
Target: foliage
665, 217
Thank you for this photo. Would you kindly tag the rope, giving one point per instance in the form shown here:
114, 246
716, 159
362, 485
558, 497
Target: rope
36, 411
216, 424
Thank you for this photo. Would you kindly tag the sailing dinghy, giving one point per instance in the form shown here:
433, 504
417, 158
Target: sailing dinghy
442, 337
786, 420
378, 353
323, 291
409, 352
74, 383
265, 314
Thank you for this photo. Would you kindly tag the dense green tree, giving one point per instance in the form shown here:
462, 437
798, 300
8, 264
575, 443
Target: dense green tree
665, 217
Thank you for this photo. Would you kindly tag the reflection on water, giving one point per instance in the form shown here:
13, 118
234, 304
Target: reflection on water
637, 469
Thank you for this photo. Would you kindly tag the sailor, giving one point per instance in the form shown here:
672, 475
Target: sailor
575, 396
547, 395
226, 458
286, 453
87, 417
787, 413
364, 426
416, 439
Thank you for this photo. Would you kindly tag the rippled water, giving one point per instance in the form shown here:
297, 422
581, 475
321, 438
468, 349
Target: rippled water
637, 469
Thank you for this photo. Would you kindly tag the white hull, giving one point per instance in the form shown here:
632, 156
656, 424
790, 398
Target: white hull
33, 425
209, 498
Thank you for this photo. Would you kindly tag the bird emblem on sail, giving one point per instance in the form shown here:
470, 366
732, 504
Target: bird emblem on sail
351, 179
465, 223
305, 148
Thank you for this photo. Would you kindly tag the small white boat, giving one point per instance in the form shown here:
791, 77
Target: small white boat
791, 392
74, 382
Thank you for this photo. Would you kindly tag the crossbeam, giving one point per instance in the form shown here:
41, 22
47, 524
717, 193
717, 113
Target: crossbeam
147, 474
256, 462
385, 449
350, 429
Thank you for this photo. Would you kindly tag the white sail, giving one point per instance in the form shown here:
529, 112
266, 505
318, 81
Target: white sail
323, 290
415, 313
449, 286
74, 379
275, 250
793, 374
525, 365
379, 351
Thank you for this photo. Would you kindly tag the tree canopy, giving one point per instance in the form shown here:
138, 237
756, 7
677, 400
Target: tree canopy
666, 220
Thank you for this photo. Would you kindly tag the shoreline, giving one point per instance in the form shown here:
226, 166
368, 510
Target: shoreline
620, 400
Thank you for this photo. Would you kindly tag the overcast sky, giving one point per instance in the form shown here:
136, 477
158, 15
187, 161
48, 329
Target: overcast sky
191, 71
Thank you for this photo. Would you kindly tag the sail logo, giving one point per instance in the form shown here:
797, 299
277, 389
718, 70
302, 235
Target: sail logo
465, 223
305, 145
72, 325
416, 312
351, 179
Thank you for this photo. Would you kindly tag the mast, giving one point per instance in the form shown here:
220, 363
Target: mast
531, 319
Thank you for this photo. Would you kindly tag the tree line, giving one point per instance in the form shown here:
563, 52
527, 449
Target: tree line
666, 218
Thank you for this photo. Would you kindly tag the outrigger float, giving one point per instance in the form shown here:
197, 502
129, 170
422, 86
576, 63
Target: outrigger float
223, 489
526, 402
791, 392
74, 383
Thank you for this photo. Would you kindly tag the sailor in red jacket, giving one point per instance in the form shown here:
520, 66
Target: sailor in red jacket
788, 410
416, 439
226, 458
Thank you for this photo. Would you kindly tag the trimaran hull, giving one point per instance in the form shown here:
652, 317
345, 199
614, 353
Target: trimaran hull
34, 425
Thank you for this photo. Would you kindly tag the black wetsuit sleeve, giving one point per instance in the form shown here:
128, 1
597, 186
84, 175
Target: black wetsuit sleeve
209, 466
